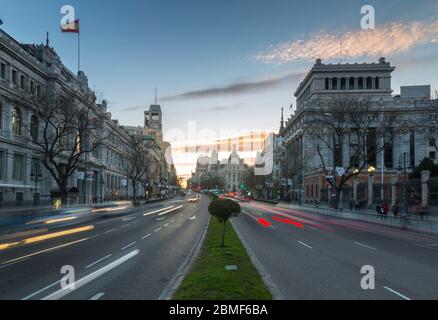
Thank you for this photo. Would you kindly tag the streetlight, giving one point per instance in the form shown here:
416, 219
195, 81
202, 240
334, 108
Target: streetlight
399, 171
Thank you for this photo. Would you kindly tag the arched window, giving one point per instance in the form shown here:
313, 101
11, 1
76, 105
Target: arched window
16, 121
34, 127
343, 83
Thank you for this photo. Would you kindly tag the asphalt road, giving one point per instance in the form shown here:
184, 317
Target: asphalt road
132, 255
310, 256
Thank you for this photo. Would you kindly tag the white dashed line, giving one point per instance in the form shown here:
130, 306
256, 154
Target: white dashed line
42, 290
365, 246
109, 231
304, 244
97, 261
129, 245
158, 229
156, 211
125, 225
97, 296
166, 225
397, 293
146, 236
92, 276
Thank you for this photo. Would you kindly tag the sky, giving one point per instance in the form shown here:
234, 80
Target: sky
223, 67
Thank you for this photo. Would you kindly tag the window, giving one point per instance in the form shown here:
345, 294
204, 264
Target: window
360, 83
326, 83
22, 82
2, 70
35, 169
372, 147
1, 164
351, 83
343, 84
369, 83
38, 91
14, 77
388, 149
17, 173
432, 155
34, 127
1, 115
32, 87
335, 83
16, 121
377, 83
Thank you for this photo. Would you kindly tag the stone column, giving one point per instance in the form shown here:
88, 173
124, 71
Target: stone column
370, 190
425, 175
355, 184
394, 180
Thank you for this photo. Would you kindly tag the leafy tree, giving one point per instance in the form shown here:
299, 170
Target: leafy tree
223, 209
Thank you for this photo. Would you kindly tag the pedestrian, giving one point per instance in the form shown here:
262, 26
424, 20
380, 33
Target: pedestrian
396, 210
385, 209
378, 209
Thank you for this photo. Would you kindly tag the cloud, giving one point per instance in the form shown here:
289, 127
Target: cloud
134, 108
237, 88
390, 38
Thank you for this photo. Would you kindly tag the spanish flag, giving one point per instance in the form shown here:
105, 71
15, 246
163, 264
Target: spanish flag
72, 27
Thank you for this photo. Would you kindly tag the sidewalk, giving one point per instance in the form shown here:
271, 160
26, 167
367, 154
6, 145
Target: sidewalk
427, 225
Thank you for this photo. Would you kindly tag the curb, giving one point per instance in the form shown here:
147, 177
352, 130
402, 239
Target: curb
270, 285
184, 269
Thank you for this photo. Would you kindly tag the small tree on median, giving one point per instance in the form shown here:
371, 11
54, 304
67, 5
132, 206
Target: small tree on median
223, 209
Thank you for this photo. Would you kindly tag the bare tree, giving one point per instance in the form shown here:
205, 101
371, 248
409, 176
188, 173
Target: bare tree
64, 130
428, 124
151, 171
352, 122
135, 165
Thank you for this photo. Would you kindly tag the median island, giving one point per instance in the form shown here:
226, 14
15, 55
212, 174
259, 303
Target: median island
223, 270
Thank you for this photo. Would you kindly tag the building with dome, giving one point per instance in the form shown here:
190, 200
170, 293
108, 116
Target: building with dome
232, 171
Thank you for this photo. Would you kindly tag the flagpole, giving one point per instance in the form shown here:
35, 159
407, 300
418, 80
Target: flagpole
79, 51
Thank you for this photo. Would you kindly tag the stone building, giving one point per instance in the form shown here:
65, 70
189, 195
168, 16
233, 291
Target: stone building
370, 82
36, 70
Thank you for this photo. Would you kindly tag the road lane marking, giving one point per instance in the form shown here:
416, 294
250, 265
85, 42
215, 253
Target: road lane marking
312, 228
10, 264
365, 246
304, 244
168, 211
146, 236
127, 219
129, 245
97, 296
41, 290
158, 229
192, 218
156, 211
397, 293
92, 276
45, 250
172, 221
109, 231
97, 261
166, 225
124, 226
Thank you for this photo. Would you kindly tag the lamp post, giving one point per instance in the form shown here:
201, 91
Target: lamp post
371, 171
405, 199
